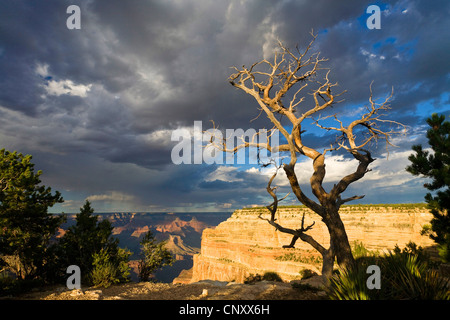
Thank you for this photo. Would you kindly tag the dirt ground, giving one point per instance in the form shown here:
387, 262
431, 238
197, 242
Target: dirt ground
203, 290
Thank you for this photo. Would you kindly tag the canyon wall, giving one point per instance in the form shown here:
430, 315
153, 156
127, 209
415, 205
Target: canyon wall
245, 244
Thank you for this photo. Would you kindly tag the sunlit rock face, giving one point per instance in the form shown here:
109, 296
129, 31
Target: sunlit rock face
244, 244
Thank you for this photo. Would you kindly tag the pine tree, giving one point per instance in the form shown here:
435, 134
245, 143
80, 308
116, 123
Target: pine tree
26, 227
436, 166
89, 238
153, 256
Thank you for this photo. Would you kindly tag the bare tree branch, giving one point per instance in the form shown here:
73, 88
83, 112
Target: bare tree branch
271, 190
268, 82
342, 201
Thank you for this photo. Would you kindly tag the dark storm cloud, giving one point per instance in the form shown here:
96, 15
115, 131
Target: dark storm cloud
408, 50
115, 89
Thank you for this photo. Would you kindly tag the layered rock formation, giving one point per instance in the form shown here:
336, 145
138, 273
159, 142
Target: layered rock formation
245, 244
182, 233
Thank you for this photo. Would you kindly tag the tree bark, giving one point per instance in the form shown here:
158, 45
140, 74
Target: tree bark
329, 211
327, 265
338, 237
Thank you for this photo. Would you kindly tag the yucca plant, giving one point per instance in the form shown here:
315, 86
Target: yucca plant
411, 278
351, 284
404, 275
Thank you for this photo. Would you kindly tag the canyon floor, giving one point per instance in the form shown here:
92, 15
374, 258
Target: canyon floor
202, 290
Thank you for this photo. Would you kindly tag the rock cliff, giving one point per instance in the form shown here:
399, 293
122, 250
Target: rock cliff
245, 244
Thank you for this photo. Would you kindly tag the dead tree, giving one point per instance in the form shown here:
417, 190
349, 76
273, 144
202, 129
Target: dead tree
269, 82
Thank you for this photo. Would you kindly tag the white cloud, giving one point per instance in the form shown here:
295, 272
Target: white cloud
111, 196
224, 173
388, 170
72, 204
160, 137
366, 53
252, 170
270, 45
42, 70
57, 88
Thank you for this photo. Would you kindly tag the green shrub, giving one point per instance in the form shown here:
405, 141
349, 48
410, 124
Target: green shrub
304, 287
107, 271
405, 274
11, 287
412, 279
272, 276
444, 250
351, 284
308, 259
252, 278
103, 273
154, 256
307, 273
91, 245
359, 250
268, 276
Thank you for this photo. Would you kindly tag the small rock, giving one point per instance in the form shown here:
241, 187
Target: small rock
283, 287
76, 292
249, 296
321, 293
99, 292
94, 294
233, 283
204, 293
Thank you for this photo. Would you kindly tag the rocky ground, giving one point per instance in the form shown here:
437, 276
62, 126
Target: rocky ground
203, 290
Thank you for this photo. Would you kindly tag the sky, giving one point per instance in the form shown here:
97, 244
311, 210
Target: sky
96, 106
